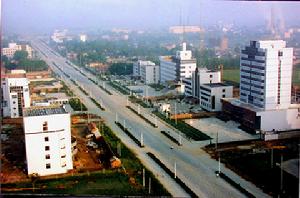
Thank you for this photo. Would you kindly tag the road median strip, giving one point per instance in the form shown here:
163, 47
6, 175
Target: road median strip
171, 174
97, 104
171, 137
235, 185
189, 131
129, 134
141, 116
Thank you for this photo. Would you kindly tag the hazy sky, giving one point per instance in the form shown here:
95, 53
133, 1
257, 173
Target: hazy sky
46, 15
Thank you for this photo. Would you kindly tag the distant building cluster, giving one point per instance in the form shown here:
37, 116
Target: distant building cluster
184, 29
59, 36
13, 47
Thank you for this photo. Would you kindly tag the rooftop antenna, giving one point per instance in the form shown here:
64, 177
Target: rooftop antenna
180, 24
200, 25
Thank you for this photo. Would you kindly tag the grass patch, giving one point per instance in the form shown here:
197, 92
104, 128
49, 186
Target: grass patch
233, 75
77, 105
157, 87
66, 89
97, 104
119, 87
171, 174
189, 131
140, 102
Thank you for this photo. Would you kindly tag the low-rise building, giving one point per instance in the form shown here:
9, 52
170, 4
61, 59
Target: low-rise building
15, 96
200, 76
48, 140
211, 95
13, 47
147, 71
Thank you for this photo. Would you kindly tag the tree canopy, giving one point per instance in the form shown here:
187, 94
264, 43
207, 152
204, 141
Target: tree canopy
20, 55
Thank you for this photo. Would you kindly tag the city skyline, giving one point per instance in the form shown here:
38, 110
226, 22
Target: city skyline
32, 16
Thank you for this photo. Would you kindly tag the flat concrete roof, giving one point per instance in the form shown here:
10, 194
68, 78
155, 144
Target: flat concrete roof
42, 111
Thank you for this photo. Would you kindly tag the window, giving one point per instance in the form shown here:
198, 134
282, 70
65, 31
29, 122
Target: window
210, 76
280, 53
47, 148
223, 96
46, 139
47, 156
63, 156
223, 90
45, 126
48, 166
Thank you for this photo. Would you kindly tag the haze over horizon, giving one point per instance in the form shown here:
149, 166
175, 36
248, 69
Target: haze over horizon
35, 16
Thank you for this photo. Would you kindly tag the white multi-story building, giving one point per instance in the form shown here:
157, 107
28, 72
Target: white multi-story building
82, 37
15, 96
13, 47
176, 68
48, 140
266, 74
147, 71
265, 88
150, 73
211, 95
59, 36
200, 76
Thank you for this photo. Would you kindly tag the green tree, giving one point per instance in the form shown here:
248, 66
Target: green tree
20, 55
121, 68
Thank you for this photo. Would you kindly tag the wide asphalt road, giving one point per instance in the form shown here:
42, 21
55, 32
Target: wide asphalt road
194, 166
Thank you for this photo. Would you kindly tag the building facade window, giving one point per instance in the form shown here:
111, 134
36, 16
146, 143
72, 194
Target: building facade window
47, 148
46, 139
47, 156
45, 126
48, 166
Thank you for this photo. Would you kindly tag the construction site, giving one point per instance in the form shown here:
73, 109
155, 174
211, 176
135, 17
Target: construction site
270, 165
97, 161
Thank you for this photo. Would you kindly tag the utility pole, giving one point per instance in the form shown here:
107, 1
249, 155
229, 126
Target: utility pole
219, 164
149, 185
180, 140
175, 114
142, 140
119, 149
272, 158
88, 115
144, 182
139, 109
217, 140
175, 170
281, 174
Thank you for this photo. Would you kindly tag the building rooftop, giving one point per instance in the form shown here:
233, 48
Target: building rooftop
42, 111
212, 85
